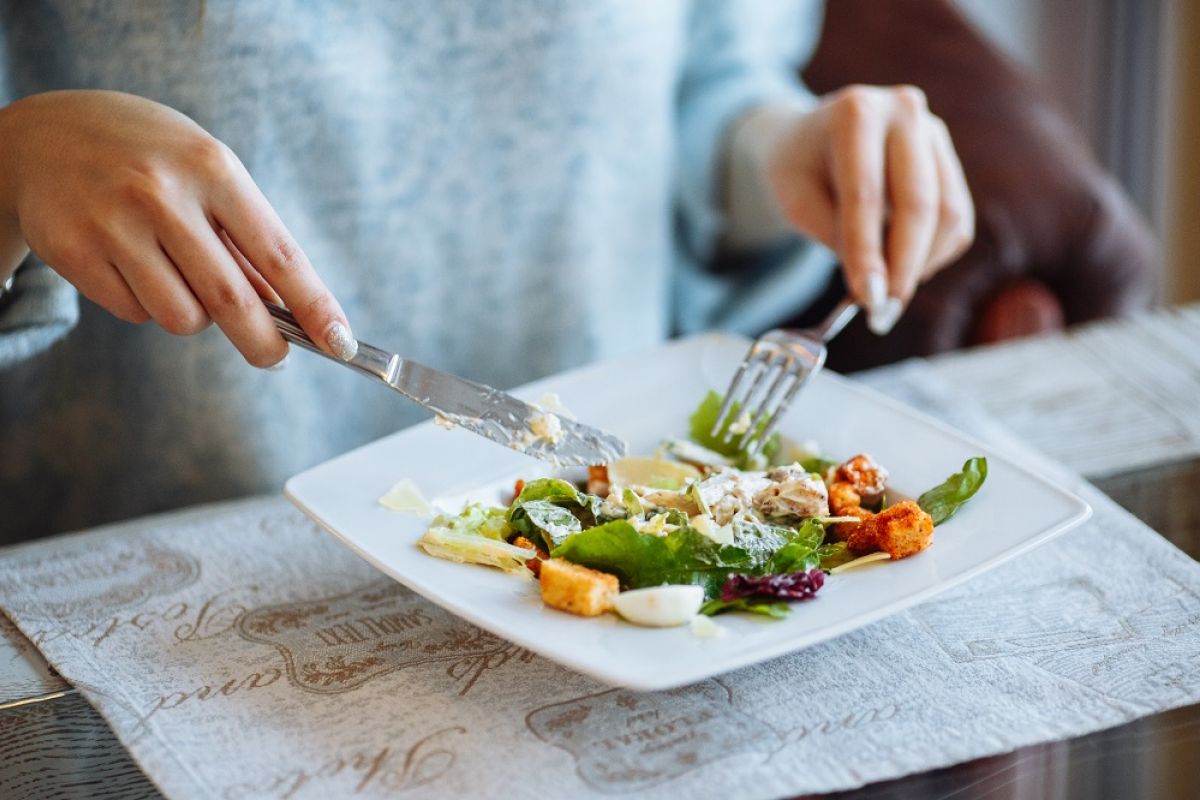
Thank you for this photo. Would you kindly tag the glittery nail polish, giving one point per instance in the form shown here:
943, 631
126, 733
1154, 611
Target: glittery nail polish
341, 342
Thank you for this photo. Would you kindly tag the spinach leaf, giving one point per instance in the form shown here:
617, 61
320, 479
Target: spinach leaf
705, 416
943, 500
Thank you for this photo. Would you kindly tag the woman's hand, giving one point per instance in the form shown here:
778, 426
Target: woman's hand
872, 174
151, 217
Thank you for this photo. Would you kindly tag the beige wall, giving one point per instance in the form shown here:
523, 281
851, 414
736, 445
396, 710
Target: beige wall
1181, 231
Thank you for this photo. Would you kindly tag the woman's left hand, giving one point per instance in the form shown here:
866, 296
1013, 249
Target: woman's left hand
872, 174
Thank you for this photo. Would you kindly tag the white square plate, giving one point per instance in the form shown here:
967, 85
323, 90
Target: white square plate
645, 399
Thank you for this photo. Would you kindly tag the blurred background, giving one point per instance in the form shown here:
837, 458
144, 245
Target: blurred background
1127, 72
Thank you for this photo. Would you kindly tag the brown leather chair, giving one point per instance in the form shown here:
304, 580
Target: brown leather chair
1057, 241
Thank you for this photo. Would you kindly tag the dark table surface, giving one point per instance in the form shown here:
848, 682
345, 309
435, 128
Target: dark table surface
61, 748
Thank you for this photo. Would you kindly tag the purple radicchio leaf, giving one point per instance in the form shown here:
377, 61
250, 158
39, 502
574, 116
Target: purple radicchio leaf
790, 586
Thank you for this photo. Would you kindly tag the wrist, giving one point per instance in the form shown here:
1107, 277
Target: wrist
755, 218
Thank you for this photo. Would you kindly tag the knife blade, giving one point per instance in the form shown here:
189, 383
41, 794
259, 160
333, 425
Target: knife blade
480, 409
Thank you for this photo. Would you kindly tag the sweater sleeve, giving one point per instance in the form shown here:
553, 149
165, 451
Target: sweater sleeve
741, 56
39, 307
36, 312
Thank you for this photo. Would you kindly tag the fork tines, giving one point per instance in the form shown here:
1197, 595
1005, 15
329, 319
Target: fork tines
774, 371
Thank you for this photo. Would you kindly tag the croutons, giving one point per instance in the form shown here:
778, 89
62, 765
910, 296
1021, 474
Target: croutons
579, 590
868, 478
597, 482
843, 500
900, 530
903, 529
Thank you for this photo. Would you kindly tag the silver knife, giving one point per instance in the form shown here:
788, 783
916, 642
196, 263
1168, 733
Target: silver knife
480, 409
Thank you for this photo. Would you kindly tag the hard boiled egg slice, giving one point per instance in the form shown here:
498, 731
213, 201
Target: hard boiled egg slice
660, 606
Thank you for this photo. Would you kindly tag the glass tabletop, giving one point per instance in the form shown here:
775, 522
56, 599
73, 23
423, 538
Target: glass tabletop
61, 747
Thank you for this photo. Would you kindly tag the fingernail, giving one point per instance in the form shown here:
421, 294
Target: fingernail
882, 320
341, 342
876, 292
282, 363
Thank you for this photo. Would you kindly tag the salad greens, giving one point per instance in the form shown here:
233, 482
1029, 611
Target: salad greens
702, 421
548, 510
943, 500
723, 530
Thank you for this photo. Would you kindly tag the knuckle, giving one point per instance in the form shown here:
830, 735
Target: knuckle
210, 156
910, 98
855, 104
232, 299
183, 320
71, 251
149, 188
286, 258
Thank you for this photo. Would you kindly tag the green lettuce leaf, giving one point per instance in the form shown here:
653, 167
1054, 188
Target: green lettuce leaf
943, 500
688, 556
775, 609
469, 548
705, 416
683, 556
549, 509
476, 519
544, 520
775, 549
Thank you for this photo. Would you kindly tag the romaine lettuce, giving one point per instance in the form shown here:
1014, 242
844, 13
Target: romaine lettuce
702, 421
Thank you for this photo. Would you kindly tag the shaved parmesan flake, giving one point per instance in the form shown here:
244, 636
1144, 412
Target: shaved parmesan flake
704, 627
741, 424
869, 558
551, 403
548, 427
721, 534
407, 498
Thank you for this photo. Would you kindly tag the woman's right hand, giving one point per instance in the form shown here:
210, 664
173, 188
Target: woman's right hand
150, 217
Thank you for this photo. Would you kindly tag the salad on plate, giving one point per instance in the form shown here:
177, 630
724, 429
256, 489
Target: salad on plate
699, 528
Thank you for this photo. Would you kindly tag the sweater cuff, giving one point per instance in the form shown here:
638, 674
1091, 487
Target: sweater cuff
39, 310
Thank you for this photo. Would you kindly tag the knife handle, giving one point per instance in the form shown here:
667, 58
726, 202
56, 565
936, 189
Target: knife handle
369, 359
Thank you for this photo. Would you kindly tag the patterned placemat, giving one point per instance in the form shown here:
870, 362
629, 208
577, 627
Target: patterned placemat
239, 652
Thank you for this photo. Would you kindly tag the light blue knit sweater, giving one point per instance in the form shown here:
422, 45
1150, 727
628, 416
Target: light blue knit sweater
500, 188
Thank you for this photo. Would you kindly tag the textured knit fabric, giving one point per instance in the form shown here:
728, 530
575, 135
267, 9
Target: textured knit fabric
499, 188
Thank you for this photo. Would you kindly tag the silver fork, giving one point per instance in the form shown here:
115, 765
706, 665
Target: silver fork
792, 357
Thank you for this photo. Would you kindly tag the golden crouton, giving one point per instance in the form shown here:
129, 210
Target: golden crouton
576, 589
843, 500
900, 530
868, 478
903, 529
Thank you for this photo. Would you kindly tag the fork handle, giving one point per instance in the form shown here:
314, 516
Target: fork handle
369, 359
837, 319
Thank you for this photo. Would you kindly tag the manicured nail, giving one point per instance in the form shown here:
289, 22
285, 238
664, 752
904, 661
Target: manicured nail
876, 292
282, 363
341, 342
884, 319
